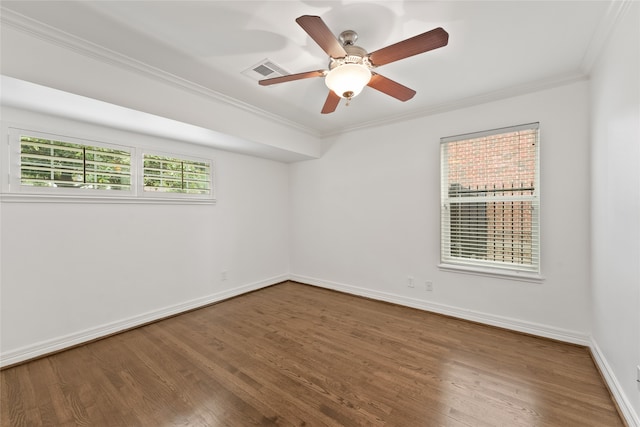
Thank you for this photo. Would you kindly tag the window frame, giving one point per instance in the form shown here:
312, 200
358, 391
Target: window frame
12, 189
164, 195
448, 262
15, 172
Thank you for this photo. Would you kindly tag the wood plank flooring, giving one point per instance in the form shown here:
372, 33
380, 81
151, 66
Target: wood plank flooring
295, 355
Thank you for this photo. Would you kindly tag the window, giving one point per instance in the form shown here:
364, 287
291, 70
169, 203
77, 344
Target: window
68, 163
490, 200
166, 174
49, 167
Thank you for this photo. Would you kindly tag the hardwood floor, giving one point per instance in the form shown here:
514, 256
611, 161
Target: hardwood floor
295, 355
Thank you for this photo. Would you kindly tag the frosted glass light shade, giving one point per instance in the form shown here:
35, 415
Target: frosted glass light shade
348, 80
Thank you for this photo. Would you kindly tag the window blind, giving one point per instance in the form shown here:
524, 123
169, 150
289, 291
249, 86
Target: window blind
174, 175
53, 163
490, 209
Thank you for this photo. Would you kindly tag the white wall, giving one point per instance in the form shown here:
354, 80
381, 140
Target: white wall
366, 215
73, 271
615, 206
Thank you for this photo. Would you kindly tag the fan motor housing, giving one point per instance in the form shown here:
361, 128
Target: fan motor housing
355, 55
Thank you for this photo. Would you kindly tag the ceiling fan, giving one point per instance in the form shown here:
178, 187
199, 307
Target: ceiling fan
351, 67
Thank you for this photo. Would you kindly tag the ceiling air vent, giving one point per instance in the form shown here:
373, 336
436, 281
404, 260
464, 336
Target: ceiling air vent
264, 69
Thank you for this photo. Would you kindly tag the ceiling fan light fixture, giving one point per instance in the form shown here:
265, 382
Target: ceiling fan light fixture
348, 80
350, 65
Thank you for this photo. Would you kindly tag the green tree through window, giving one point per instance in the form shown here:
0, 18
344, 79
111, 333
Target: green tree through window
53, 163
174, 175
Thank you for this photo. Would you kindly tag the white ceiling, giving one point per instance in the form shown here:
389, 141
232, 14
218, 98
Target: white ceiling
496, 48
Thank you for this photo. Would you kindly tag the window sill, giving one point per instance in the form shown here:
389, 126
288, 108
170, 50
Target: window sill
47, 198
493, 272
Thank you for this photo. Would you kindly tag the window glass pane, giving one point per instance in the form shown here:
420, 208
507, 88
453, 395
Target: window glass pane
175, 175
501, 164
107, 168
53, 163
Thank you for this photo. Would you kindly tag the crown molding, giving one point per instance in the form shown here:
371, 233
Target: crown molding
92, 50
497, 95
617, 9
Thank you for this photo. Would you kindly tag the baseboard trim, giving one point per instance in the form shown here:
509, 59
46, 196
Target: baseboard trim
625, 408
531, 328
55, 345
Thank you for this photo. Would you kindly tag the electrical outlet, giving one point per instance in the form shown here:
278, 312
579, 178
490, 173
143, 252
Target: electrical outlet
428, 286
638, 373
223, 276
410, 281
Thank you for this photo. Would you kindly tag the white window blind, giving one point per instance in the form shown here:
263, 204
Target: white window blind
490, 207
54, 163
174, 175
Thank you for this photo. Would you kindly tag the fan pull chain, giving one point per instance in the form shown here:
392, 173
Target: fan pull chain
348, 97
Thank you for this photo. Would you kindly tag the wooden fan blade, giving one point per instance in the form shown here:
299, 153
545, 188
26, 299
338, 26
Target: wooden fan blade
331, 103
322, 35
291, 77
391, 88
419, 44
